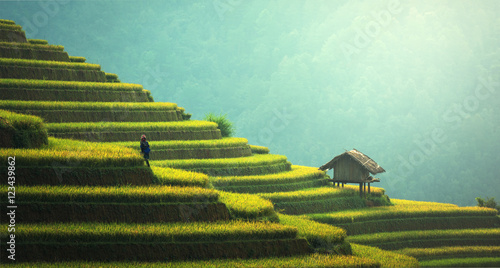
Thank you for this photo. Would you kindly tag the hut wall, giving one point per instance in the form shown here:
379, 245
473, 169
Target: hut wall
349, 170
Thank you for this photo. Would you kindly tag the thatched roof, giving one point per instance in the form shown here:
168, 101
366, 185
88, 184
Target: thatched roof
358, 156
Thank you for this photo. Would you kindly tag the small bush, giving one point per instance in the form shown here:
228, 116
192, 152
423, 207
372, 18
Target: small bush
226, 127
21, 131
489, 203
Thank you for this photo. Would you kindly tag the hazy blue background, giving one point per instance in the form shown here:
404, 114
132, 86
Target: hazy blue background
413, 84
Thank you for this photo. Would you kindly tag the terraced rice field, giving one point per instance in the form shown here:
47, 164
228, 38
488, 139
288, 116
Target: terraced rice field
95, 201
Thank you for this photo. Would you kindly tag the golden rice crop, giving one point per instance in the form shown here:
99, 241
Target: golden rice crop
77, 59
297, 174
313, 194
319, 234
190, 144
70, 85
402, 209
19, 121
456, 234
38, 41
153, 233
432, 253
305, 261
259, 149
90, 154
49, 64
92, 106
463, 262
248, 206
170, 176
11, 27
114, 194
385, 258
4, 21
191, 125
255, 160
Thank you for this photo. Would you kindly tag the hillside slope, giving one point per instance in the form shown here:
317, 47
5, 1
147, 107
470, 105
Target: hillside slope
85, 194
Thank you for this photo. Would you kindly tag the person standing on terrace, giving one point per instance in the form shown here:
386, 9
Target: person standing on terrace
145, 149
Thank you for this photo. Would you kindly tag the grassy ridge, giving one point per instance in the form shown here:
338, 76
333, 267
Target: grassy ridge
86, 154
297, 174
322, 205
240, 166
170, 176
196, 144
425, 223
50, 64
69, 106
270, 188
255, 160
430, 238
306, 261
320, 236
152, 233
11, 27
32, 46
4, 21
73, 85
21, 131
248, 207
191, 125
313, 194
77, 59
402, 209
73, 95
385, 258
117, 194
259, 149
463, 262
450, 252
38, 41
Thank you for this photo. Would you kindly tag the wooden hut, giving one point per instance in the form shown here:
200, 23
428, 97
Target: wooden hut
353, 167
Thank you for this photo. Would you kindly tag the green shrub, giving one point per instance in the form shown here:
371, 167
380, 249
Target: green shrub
226, 127
21, 131
489, 203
